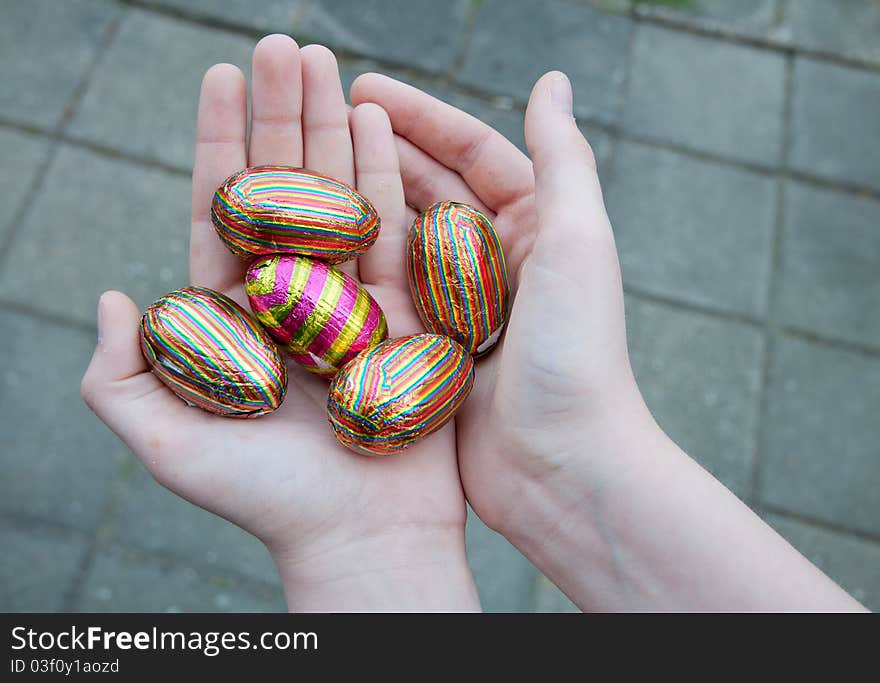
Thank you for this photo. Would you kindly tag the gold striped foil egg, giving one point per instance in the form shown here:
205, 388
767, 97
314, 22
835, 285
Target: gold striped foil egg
286, 210
318, 313
458, 276
398, 392
211, 353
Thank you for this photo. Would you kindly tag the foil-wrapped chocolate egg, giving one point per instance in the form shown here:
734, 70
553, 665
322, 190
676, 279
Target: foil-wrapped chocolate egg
286, 210
318, 313
458, 276
211, 353
398, 392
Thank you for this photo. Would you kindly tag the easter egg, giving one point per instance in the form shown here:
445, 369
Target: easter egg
318, 313
458, 276
280, 209
398, 392
211, 353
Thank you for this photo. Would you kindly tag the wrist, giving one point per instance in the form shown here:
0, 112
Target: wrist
583, 464
647, 528
573, 520
403, 569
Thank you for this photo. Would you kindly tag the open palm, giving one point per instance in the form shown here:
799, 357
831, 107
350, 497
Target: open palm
282, 477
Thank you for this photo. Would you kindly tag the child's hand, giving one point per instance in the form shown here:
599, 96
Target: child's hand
560, 380
329, 517
556, 447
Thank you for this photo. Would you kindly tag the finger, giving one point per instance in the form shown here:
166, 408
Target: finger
276, 103
220, 152
378, 178
326, 134
119, 387
489, 163
325, 116
565, 169
427, 181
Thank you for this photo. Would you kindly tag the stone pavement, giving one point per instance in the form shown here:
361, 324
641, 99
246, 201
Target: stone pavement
739, 144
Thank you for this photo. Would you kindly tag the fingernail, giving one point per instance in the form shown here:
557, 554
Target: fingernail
560, 93
100, 319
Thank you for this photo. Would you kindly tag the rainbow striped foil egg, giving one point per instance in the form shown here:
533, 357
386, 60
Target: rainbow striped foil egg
285, 210
398, 392
318, 313
458, 276
211, 353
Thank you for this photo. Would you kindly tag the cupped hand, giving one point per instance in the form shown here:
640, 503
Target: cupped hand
559, 383
327, 515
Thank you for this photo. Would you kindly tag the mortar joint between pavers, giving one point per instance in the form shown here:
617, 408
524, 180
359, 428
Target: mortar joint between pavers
773, 279
55, 137
765, 44
820, 523
470, 23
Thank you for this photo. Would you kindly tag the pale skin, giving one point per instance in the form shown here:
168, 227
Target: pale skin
555, 448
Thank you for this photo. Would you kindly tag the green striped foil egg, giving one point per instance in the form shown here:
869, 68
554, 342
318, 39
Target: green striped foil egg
458, 276
394, 394
212, 354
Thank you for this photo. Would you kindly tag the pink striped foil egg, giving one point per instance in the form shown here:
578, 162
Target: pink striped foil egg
211, 353
322, 316
458, 276
286, 210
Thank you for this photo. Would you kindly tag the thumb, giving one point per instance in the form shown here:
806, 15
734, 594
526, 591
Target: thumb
568, 197
117, 356
118, 385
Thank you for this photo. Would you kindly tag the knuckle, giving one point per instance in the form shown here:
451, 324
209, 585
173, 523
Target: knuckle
88, 390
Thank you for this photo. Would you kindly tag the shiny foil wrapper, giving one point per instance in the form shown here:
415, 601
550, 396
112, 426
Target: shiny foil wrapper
285, 210
398, 392
211, 353
458, 276
322, 316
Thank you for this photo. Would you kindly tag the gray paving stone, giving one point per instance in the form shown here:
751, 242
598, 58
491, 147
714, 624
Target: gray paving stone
830, 264
515, 41
548, 598
143, 96
505, 579
23, 155
700, 376
152, 517
611, 6
692, 230
819, 449
272, 16
422, 33
835, 129
46, 47
124, 580
707, 95
99, 224
852, 562
844, 27
742, 17
37, 567
58, 460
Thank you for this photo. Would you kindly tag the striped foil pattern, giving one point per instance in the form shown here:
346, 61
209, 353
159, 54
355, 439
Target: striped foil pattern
458, 276
280, 209
396, 393
318, 313
211, 353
